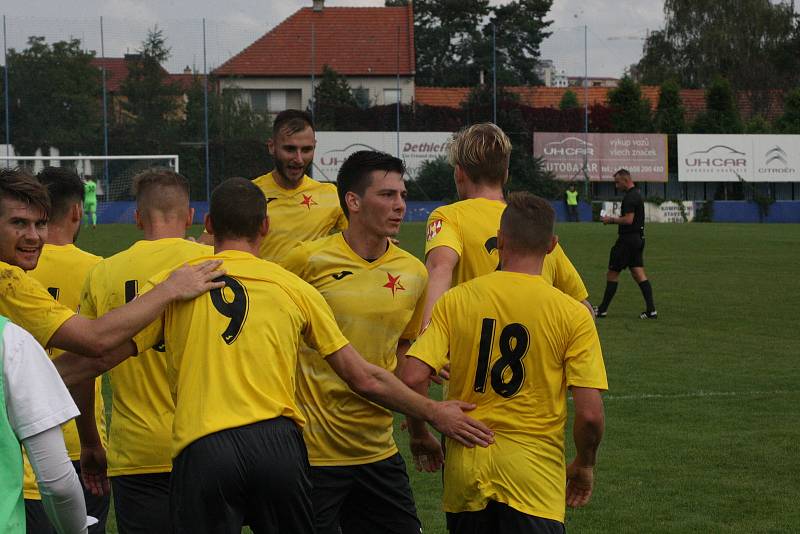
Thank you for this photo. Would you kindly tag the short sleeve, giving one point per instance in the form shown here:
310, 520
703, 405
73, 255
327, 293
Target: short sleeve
433, 346
584, 358
442, 231
412, 329
628, 203
153, 333
88, 304
36, 398
341, 221
321, 332
566, 276
27, 303
296, 260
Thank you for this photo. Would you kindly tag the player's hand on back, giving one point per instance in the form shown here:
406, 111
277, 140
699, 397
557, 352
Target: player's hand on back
580, 480
449, 419
427, 451
191, 281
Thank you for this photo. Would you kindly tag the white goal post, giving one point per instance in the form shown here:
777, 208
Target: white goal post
113, 174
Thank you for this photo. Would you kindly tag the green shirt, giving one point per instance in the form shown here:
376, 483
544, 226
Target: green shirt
90, 191
572, 197
12, 509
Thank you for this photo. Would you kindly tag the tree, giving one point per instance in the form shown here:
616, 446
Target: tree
753, 43
758, 125
569, 100
333, 92
670, 113
54, 97
151, 101
519, 29
789, 122
434, 182
453, 40
631, 111
721, 115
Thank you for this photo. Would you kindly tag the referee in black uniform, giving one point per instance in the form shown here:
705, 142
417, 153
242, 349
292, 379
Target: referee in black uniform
629, 248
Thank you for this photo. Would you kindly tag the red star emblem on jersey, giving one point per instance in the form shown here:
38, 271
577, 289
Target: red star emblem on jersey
308, 201
394, 284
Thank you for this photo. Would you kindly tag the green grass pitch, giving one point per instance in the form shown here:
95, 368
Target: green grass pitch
702, 429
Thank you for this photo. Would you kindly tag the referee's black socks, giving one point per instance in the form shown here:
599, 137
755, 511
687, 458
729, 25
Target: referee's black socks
647, 293
611, 289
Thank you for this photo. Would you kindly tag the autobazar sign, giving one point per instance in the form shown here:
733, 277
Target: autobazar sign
730, 158
564, 154
415, 149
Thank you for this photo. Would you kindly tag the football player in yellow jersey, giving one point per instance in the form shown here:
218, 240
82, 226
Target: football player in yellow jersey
238, 451
300, 208
139, 459
515, 361
461, 238
376, 292
61, 269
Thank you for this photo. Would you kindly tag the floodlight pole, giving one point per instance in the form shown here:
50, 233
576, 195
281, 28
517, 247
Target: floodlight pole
205, 116
313, 75
397, 104
494, 75
585, 113
5, 91
105, 107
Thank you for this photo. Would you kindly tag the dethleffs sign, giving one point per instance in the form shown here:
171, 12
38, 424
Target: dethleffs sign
415, 149
563, 154
730, 158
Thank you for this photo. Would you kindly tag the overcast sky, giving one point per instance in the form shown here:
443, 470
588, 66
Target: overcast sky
616, 29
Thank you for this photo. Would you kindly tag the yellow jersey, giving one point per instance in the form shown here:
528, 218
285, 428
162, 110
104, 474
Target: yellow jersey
142, 409
305, 213
232, 353
26, 302
376, 304
515, 361
469, 227
62, 270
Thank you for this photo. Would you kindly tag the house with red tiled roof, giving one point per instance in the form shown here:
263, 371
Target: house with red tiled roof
370, 46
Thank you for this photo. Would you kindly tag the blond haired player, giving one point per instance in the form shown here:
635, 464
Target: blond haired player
61, 269
300, 208
238, 452
139, 459
461, 240
376, 292
514, 344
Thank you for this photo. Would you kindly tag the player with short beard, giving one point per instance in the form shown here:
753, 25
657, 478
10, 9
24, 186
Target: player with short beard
359, 478
300, 208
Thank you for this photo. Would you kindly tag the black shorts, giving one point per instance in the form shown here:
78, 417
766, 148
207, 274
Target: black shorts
36, 520
141, 503
363, 499
253, 475
628, 251
499, 518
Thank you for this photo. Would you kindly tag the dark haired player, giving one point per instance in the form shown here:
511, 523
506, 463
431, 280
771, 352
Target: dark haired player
300, 208
376, 292
628, 251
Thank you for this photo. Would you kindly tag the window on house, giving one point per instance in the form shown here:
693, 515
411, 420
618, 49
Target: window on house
391, 96
361, 95
272, 100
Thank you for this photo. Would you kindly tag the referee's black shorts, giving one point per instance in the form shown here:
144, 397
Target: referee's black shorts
364, 499
627, 252
500, 518
253, 475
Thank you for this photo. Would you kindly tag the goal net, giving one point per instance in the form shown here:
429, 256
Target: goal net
113, 174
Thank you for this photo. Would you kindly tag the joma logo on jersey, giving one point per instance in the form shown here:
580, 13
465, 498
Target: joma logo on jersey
433, 229
339, 276
394, 284
308, 201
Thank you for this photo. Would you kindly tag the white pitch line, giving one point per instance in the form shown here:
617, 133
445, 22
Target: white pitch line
699, 394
